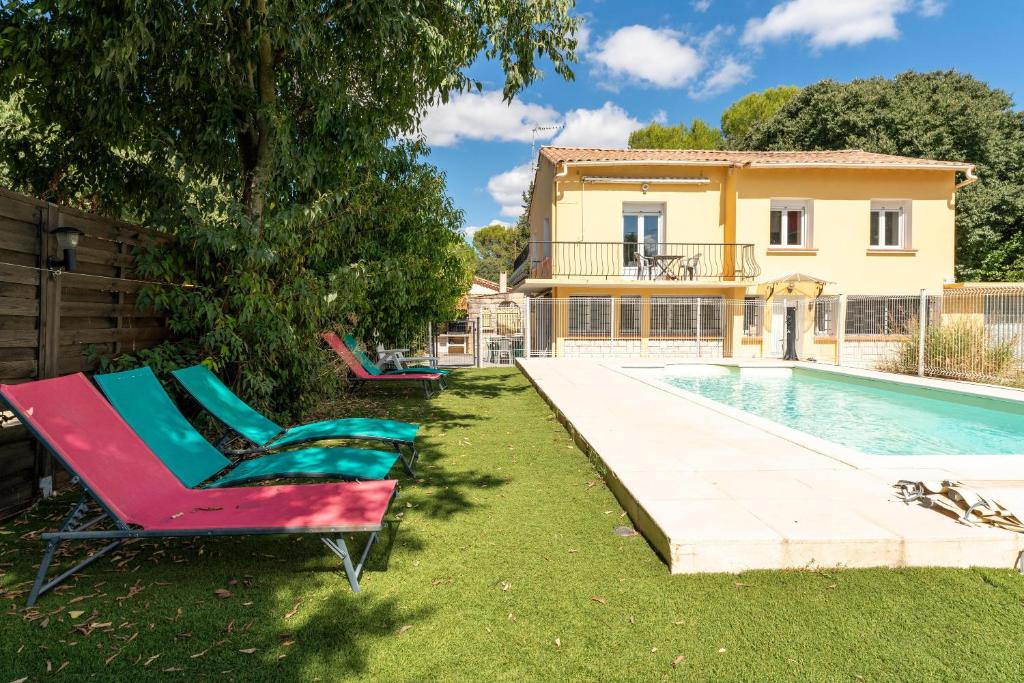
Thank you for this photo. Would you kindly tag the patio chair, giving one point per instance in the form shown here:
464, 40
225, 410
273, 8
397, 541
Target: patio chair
132, 491
690, 267
361, 376
264, 434
141, 400
643, 264
373, 369
398, 359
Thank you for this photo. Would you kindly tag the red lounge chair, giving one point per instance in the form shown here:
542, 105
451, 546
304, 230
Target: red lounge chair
361, 376
143, 499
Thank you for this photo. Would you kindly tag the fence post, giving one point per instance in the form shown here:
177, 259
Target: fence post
698, 327
478, 341
526, 327
922, 328
840, 328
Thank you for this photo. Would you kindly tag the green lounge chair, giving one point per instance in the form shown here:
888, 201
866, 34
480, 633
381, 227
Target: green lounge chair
142, 402
374, 370
242, 420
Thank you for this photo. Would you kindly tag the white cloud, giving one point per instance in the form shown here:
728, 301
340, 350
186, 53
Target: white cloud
651, 56
830, 22
507, 188
701, 5
485, 116
582, 37
932, 8
728, 74
608, 126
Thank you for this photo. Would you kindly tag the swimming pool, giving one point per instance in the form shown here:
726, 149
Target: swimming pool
871, 416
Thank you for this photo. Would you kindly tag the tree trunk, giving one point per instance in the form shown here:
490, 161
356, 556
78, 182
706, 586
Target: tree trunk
255, 130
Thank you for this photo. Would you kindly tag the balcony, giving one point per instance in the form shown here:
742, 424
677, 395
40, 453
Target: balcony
628, 261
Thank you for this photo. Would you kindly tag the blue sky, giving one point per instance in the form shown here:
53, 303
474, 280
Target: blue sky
647, 60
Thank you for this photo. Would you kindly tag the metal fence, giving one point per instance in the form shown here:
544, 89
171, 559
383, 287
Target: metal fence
971, 333
975, 334
494, 337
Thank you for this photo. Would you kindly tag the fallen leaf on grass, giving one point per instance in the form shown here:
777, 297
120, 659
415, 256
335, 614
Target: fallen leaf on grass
677, 661
404, 629
721, 650
295, 610
172, 669
223, 593
74, 614
248, 651
151, 660
558, 642
598, 598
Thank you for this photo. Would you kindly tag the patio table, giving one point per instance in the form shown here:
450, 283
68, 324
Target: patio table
665, 264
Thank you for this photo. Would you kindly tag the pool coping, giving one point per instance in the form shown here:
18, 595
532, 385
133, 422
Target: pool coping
751, 498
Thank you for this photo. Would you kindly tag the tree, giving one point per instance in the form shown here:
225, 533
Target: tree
752, 110
699, 135
937, 115
260, 133
497, 247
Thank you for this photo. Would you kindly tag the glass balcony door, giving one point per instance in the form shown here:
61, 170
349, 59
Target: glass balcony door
641, 231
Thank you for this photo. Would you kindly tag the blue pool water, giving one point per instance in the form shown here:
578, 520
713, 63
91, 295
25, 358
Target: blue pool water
870, 416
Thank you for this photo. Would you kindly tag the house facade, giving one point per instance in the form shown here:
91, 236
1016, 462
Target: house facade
650, 252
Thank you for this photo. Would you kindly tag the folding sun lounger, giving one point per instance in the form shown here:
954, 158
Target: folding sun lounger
142, 499
362, 376
149, 411
376, 371
241, 419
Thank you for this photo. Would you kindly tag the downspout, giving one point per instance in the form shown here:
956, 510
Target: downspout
971, 178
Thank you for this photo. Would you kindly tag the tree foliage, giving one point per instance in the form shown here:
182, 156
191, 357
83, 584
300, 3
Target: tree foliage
497, 247
938, 115
752, 110
698, 135
260, 133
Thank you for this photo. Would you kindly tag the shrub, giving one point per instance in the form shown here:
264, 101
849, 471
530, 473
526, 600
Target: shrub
957, 347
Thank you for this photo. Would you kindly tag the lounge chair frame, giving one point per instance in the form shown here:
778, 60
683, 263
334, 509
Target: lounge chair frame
229, 435
75, 528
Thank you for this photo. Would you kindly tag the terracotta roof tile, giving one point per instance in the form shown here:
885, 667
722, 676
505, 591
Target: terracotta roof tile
846, 157
484, 282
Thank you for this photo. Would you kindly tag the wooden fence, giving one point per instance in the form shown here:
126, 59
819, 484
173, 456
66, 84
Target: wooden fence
50, 321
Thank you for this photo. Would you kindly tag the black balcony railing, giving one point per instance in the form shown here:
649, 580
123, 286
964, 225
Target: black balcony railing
681, 261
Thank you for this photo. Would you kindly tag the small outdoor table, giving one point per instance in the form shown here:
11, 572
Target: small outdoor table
665, 265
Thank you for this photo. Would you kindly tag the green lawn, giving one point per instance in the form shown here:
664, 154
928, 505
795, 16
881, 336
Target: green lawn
504, 565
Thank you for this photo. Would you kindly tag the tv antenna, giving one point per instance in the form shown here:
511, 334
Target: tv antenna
533, 141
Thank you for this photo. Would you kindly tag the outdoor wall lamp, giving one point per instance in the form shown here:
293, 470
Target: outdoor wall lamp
67, 242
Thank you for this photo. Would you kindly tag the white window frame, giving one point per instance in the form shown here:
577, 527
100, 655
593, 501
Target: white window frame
786, 205
641, 210
753, 310
881, 206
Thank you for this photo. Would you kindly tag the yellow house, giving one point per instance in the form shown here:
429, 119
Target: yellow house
707, 252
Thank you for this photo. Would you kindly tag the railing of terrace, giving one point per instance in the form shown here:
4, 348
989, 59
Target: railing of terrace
681, 261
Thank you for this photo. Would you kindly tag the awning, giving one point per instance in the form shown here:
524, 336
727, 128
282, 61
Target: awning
796, 278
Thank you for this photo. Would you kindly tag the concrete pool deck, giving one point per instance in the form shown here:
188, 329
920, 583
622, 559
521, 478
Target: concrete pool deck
714, 493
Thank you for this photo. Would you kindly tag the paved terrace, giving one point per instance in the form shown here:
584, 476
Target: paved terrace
714, 494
